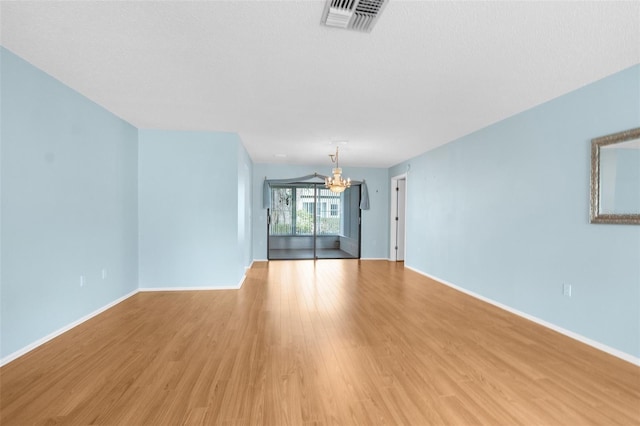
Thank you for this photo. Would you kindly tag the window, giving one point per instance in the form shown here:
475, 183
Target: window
293, 210
308, 207
282, 219
328, 221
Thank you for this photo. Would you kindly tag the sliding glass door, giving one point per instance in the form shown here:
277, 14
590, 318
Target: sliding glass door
307, 221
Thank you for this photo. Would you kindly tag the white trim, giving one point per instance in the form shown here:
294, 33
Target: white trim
246, 268
45, 339
207, 288
597, 345
373, 258
203, 288
259, 260
239, 286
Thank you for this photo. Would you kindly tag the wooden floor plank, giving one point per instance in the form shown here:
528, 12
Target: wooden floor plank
316, 343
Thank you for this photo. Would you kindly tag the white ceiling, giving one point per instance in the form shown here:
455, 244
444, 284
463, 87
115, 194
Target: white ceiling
428, 73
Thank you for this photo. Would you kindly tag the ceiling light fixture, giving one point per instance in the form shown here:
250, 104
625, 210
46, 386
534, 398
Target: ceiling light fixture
336, 183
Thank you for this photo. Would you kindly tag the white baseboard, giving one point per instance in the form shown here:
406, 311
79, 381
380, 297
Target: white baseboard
611, 351
244, 277
45, 339
373, 258
246, 268
203, 288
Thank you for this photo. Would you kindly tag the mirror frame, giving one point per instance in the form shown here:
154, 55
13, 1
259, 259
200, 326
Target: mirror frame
595, 215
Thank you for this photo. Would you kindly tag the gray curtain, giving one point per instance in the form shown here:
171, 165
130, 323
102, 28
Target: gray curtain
266, 189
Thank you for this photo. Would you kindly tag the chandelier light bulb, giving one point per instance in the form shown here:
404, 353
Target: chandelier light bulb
336, 183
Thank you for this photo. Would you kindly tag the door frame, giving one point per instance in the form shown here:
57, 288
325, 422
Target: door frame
316, 196
401, 215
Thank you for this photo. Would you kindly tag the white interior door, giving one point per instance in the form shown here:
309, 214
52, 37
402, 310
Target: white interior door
400, 243
398, 218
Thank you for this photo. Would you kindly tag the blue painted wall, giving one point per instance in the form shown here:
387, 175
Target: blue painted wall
69, 205
245, 193
375, 222
504, 212
191, 189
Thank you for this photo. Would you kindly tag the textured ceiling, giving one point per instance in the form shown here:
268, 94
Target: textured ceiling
428, 73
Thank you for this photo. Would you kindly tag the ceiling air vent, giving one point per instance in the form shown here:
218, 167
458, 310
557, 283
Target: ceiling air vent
359, 15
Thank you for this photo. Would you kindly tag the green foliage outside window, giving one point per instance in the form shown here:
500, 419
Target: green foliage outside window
293, 210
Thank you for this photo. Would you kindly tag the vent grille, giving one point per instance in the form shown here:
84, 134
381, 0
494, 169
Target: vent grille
359, 15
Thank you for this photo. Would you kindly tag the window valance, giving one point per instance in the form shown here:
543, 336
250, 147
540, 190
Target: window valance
266, 188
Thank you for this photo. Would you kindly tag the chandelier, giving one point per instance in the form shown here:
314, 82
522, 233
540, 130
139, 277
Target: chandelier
336, 183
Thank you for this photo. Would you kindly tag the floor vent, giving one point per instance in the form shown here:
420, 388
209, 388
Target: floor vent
359, 15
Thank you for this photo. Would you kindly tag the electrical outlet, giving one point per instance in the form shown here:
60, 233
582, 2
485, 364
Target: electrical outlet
566, 290
81, 280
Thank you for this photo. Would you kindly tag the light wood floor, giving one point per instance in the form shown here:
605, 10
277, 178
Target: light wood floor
293, 254
332, 342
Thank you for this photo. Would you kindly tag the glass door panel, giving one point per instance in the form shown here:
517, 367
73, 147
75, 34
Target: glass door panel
307, 221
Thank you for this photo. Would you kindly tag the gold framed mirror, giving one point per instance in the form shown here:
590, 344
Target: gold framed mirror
615, 178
